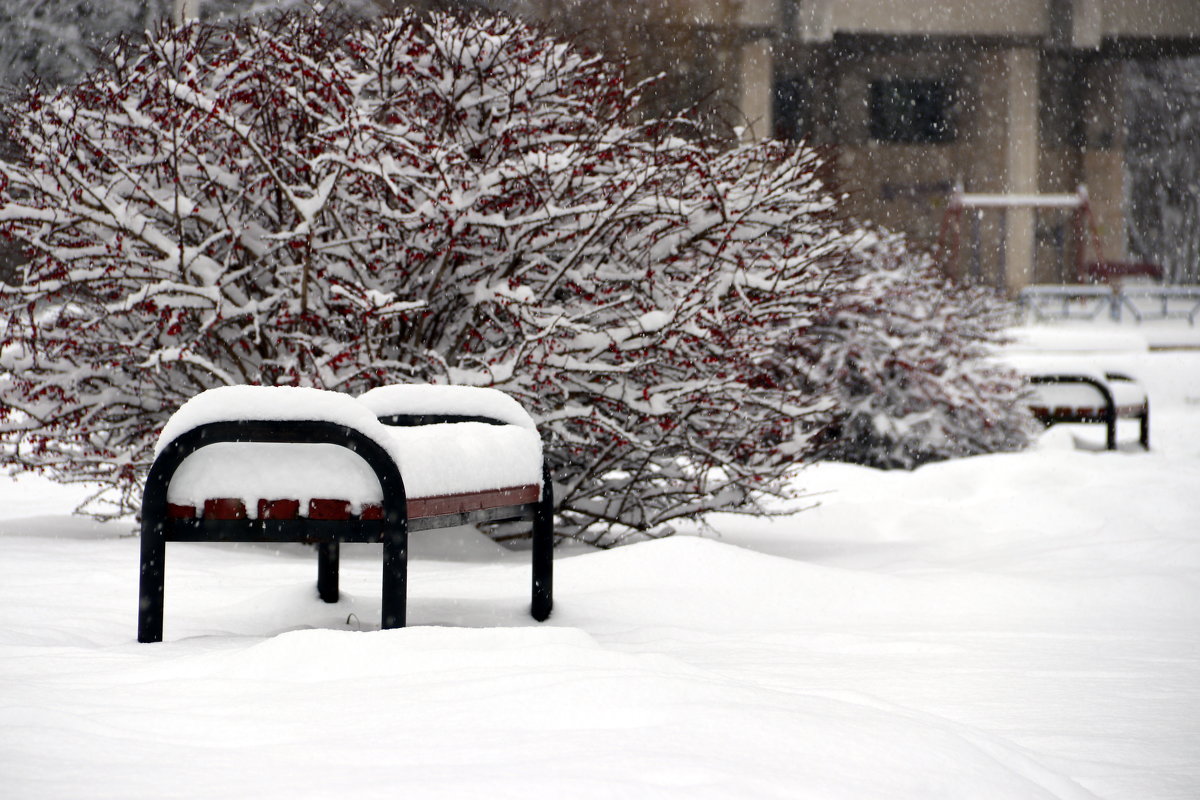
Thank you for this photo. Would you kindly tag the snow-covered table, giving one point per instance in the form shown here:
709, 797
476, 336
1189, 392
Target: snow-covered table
253, 463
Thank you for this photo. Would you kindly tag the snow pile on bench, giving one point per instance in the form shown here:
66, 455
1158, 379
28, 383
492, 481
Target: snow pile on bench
435, 460
450, 457
280, 403
1129, 398
461, 401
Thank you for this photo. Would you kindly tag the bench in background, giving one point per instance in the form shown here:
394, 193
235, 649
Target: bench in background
1091, 398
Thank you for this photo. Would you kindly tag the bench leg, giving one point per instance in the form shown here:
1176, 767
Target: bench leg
543, 553
328, 557
395, 576
151, 585
1110, 425
1145, 432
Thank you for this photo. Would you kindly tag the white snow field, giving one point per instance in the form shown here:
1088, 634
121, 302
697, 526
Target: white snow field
1011, 626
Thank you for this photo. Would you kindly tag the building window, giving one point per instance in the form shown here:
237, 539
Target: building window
791, 109
911, 111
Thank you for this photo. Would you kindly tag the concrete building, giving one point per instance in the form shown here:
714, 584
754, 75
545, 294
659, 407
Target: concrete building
911, 98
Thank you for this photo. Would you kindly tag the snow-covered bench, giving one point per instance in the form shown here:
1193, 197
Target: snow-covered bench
252, 463
1077, 395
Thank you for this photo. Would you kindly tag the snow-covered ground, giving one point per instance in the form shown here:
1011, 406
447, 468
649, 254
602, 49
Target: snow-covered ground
1010, 626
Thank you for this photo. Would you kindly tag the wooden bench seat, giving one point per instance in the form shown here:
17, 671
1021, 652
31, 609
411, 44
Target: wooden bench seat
334, 509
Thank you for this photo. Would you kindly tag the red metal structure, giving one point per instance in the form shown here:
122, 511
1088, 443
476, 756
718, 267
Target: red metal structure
1083, 229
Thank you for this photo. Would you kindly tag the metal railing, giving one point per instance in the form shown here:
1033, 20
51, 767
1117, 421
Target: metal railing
1155, 303
1046, 303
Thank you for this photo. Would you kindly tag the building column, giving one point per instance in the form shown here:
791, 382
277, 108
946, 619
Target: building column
757, 74
756, 22
1020, 67
185, 11
1104, 154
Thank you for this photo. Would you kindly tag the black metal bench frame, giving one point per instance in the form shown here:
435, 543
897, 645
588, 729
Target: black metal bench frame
158, 527
1106, 415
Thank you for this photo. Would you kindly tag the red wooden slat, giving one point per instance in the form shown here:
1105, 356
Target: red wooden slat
326, 508
224, 508
180, 512
278, 509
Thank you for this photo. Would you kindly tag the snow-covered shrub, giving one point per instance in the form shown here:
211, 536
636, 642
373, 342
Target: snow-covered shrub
908, 355
56, 39
446, 198
61, 40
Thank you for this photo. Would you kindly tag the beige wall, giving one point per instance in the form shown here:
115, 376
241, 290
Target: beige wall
1027, 122
899, 185
1006, 18
966, 17
996, 149
1168, 18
